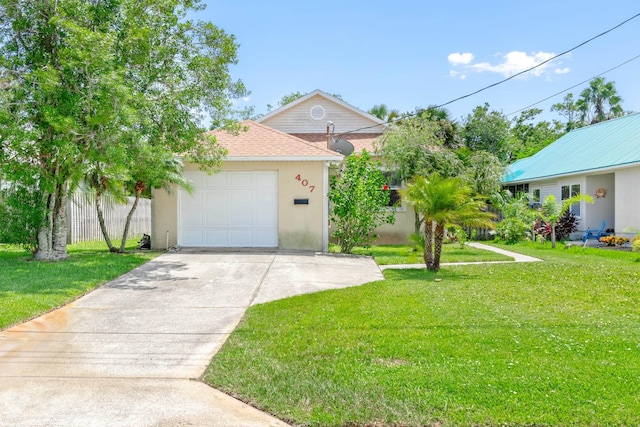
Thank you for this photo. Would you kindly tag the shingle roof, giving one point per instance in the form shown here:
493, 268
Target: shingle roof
263, 142
359, 140
608, 144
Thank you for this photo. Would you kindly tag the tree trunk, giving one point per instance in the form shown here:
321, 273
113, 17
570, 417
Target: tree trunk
437, 246
103, 226
553, 236
123, 243
417, 220
428, 243
52, 236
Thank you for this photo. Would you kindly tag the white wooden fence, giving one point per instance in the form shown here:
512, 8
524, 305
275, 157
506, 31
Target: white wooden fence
82, 218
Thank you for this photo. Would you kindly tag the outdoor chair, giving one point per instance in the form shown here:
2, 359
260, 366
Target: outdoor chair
595, 234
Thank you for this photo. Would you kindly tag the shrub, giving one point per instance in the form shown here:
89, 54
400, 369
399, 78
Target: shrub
614, 240
567, 224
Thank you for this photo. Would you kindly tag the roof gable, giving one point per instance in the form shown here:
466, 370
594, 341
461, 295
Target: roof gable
310, 114
613, 143
260, 142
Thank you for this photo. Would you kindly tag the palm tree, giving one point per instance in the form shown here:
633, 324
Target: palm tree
449, 130
383, 112
443, 202
594, 99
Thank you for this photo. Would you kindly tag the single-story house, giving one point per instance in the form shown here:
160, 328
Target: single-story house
272, 190
270, 193
602, 160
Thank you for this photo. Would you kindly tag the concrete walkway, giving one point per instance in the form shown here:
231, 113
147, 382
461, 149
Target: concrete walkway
516, 258
127, 353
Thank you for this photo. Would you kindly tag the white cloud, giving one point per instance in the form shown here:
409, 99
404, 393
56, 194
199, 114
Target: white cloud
454, 73
564, 70
515, 62
246, 98
460, 58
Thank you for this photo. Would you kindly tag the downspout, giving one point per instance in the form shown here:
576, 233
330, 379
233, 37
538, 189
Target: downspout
325, 206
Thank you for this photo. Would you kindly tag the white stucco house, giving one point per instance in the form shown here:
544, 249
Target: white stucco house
602, 160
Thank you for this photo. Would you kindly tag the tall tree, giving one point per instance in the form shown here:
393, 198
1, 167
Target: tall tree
86, 78
569, 110
488, 130
444, 202
599, 102
529, 136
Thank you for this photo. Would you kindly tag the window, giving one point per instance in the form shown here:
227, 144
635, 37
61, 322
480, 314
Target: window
517, 189
534, 198
568, 191
395, 185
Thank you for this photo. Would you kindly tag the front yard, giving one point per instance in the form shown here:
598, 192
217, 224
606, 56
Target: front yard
551, 343
29, 288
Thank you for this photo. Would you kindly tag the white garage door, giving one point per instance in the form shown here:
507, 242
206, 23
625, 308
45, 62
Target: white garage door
229, 209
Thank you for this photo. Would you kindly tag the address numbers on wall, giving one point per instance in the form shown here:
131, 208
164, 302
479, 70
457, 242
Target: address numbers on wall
305, 183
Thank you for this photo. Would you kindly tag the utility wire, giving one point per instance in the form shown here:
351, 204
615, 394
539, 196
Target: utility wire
501, 81
576, 85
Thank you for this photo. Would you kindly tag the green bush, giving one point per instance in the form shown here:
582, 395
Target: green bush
22, 212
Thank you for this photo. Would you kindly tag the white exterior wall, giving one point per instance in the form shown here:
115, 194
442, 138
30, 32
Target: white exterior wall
603, 208
627, 202
298, 119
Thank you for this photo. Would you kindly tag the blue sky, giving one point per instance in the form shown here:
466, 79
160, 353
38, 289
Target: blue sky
411, 53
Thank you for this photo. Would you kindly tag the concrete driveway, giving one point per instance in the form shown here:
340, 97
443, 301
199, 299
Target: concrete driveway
127, 354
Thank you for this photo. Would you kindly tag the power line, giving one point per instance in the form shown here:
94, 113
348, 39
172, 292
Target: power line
504, 80
576, 85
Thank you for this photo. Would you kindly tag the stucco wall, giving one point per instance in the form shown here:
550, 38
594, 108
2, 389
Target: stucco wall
627, 202
299, 226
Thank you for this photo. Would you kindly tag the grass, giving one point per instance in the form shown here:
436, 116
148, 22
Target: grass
29, 288
406, 254
555, 343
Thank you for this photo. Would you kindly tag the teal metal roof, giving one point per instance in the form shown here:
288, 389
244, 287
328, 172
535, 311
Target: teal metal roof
604, 145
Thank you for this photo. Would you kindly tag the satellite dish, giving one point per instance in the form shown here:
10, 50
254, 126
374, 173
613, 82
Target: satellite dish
341, 146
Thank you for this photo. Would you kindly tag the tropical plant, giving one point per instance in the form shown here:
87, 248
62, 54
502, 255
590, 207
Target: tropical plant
567, 224
599, 102
516, 216
614, 240
359, 200
385, 113
551, 211
443, 202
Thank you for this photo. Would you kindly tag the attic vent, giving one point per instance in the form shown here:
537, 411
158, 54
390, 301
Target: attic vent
317, 112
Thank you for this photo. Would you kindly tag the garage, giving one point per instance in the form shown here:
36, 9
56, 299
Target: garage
229, 209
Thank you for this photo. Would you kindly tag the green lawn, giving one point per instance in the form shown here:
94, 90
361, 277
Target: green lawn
554, 343
29, 288
406, 254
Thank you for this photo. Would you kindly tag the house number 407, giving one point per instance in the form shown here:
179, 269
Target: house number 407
305, 183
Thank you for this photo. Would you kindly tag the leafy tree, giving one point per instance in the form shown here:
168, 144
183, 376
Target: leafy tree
551, 211
84, 81
448, 129
383, 112
358, 202
415, 147
444, 202
20, 220
599, 102
569, 110
484, 173
529, 137
488, 131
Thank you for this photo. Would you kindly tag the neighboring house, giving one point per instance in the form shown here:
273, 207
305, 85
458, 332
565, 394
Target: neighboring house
313, 115
602, 160
271, 192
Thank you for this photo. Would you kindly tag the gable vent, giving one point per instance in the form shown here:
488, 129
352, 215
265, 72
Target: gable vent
317, 112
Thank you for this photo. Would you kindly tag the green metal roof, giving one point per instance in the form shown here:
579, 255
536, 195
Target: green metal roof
604, 145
